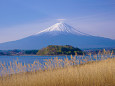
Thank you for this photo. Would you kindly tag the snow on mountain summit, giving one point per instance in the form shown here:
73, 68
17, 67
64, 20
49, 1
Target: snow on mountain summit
63, 28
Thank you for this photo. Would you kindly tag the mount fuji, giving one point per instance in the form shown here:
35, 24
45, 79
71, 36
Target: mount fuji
59, 34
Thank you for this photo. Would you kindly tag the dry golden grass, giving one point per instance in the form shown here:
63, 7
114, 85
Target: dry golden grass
95, 73
100, 73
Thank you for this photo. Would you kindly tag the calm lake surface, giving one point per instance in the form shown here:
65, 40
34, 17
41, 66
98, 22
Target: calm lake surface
31, 59
28, 59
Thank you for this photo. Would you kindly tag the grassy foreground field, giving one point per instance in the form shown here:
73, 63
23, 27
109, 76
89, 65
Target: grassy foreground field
98, 73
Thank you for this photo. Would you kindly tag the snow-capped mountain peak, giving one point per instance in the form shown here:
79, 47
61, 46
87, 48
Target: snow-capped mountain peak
59, 34
62, 27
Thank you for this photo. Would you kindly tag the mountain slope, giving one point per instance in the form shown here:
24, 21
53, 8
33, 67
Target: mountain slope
59, 34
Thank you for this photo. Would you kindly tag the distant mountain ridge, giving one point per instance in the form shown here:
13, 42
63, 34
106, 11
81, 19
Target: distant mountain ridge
59, 34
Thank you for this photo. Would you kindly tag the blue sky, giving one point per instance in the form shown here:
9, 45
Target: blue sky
21, 18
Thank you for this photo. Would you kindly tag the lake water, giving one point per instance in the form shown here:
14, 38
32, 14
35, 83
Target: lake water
28, 59
31, 59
